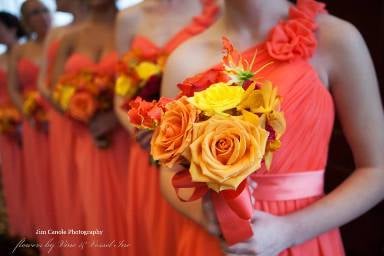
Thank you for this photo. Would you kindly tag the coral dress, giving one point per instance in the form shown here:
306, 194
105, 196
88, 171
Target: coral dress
66, 200
12, 173
39, 200
101, 173
151, 220
295, 179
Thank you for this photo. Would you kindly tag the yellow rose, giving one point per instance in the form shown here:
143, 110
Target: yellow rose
218, 98
147, 69
174, 134
124, 87
225, 151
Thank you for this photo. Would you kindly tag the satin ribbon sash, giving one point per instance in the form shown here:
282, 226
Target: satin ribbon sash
234, 208
288, 186
270, 187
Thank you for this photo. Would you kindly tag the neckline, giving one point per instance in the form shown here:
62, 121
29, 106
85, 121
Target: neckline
26, 60
90, 59
209, 11
303, 10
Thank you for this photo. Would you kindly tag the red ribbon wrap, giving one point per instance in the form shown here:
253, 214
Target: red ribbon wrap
233, 208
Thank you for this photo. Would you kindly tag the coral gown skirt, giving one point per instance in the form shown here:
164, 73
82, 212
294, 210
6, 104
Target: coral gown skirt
100, 175
12, 173
38, 188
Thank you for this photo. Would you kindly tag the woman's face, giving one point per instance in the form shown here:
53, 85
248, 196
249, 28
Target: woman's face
6, 34
37, 17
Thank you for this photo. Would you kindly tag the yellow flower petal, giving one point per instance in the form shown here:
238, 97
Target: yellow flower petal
261, 101
124, 87
251, 117
66, 93
276, 120
147, 69
218, 98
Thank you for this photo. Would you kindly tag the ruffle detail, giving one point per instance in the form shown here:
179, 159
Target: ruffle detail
198, 24
294, 38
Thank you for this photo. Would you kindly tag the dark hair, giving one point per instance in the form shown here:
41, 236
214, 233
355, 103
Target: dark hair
11, 21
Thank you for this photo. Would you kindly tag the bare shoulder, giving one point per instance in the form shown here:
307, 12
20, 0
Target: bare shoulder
130, 16
192, 57
21, 49
3, 61
55, 33
70, 35
339, 40
196, 55
127, 23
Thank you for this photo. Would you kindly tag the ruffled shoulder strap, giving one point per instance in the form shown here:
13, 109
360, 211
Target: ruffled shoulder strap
295, 37
307, 9
198, 24
145, 47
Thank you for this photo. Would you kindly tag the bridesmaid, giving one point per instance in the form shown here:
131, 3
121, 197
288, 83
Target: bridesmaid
100, 168
22, 81
61, 141
10, 137
307, 63
176, 22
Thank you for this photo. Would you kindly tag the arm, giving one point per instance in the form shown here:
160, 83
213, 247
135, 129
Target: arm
13, 81
42, 84
176, 70
64, 51
355, 90
125, 29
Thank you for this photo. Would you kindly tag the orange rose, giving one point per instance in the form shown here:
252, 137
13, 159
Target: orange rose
225, 151
174, 134
82, 106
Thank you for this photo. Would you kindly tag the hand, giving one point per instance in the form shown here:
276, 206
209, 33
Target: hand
42, 126
211, 225
143, 137
271, 235
102, 123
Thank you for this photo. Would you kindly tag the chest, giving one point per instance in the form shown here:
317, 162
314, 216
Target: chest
94, 43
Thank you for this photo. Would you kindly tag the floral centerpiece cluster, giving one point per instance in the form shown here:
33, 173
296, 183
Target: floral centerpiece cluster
221, 132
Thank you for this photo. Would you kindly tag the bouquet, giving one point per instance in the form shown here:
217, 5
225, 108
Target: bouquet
10, 119
221, 129
140, 74
83, 94
34, 108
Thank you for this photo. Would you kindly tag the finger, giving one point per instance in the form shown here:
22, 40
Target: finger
258, 215
212, 225
140, 135
252, 184
144, 139
241, 248
270, 252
